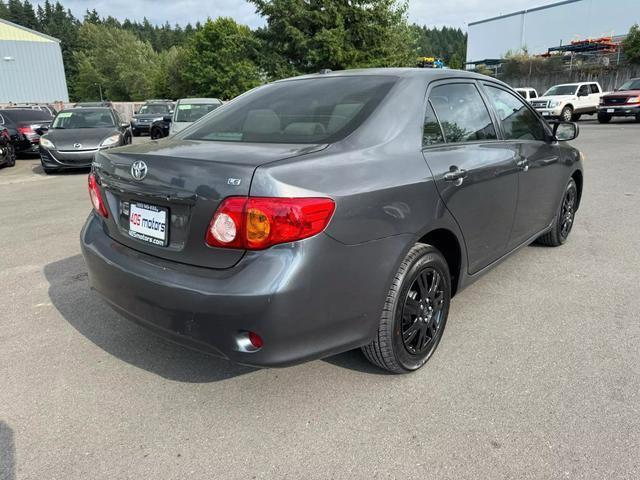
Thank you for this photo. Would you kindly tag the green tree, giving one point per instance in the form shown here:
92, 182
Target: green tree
304, 36
631, 44
219, 60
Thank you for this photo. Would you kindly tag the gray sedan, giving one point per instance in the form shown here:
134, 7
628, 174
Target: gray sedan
77, 134
328, 212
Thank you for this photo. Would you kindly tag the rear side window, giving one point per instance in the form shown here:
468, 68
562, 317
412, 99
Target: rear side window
432, 133
462, 113
516, 120
316, 110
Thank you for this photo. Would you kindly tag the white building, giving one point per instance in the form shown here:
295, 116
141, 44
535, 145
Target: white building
537, 29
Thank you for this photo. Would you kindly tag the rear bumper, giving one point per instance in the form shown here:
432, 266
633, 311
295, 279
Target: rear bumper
306, 299
619, 110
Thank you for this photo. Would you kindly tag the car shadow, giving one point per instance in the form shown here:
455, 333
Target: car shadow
355, 360
38, 170
70, 294
7, 452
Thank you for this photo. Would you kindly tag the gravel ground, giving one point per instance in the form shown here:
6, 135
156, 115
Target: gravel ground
537, 376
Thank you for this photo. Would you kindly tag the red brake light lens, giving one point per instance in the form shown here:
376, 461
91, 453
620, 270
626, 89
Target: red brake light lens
96, 197
256, 223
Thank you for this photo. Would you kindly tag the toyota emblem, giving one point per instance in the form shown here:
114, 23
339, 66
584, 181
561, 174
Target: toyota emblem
77, 146
139, 170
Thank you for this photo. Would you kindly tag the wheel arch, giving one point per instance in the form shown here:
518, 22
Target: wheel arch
448, 244
577, 177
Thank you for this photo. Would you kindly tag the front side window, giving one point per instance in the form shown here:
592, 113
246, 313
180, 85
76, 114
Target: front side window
594, 88
462, 113
431, 133
516, 120
533, 94
307, 111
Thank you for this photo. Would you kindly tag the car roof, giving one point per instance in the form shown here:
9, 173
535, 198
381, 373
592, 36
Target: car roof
429, 73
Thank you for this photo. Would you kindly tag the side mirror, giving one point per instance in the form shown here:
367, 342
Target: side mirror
42, 130
167, 118
124, 125
135, 112
565, 131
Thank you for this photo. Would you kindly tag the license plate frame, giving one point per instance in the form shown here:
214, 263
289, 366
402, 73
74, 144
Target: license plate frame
149, 223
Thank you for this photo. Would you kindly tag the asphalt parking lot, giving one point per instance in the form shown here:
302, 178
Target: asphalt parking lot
537, 376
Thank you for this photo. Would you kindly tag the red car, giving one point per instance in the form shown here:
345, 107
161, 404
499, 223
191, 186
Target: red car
624, 102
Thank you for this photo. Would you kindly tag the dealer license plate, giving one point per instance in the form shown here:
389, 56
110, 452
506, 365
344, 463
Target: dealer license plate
148, 223
611, 110
545, 114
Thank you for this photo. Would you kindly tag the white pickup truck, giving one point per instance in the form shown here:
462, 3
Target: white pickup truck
569, 101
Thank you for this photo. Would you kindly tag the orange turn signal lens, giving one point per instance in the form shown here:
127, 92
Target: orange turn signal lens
258, 225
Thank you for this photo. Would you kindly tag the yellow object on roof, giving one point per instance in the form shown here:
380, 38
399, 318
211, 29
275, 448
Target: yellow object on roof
11, 31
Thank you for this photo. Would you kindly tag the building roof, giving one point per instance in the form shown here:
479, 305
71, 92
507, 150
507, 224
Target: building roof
14, 32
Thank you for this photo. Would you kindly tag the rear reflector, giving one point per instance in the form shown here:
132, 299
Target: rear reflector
96, 197
256, 223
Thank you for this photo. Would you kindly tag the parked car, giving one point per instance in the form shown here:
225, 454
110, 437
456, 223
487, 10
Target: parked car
188, 110
624, 102
7, 152
569, 101
301, 222
149, 113
50, 109
527, 93
77, 134
23, 125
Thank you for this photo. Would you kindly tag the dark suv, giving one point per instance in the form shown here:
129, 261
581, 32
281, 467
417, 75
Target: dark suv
150, 112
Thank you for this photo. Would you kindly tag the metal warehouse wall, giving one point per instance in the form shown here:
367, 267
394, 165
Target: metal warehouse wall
31, 72
540, 28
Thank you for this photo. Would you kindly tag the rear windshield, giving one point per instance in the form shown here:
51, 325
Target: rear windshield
190, 112
318, 110
154, 108
562, 90
83, 118
26, 115
631, 85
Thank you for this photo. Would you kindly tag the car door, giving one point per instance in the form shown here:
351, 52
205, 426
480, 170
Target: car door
474, 172
537, 159
583, 98
594, 95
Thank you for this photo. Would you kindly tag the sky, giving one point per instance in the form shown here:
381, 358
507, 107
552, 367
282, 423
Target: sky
456, 13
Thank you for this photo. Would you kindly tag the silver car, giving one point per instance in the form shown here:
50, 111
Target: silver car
188, 110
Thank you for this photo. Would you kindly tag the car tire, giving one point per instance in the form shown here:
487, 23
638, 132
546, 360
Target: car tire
638, 118
156, 134
414, 313
604, 118
567, 114
575, 117
12, 157
564, 219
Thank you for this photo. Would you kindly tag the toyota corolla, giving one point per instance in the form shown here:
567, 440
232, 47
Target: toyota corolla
328, 212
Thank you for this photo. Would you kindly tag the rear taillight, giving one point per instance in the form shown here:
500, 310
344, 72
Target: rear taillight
96, 197
27, 131
255, 223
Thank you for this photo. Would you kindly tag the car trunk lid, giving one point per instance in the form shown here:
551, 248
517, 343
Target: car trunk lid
186, 180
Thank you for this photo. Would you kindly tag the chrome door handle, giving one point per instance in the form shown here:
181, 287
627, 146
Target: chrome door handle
455, 175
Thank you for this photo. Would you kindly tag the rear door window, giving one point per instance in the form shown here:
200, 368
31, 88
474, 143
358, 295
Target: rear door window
518, 122
431, 133
462, 113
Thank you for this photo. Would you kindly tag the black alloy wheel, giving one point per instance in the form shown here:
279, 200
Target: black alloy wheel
568, 211
414, 314
422, 312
